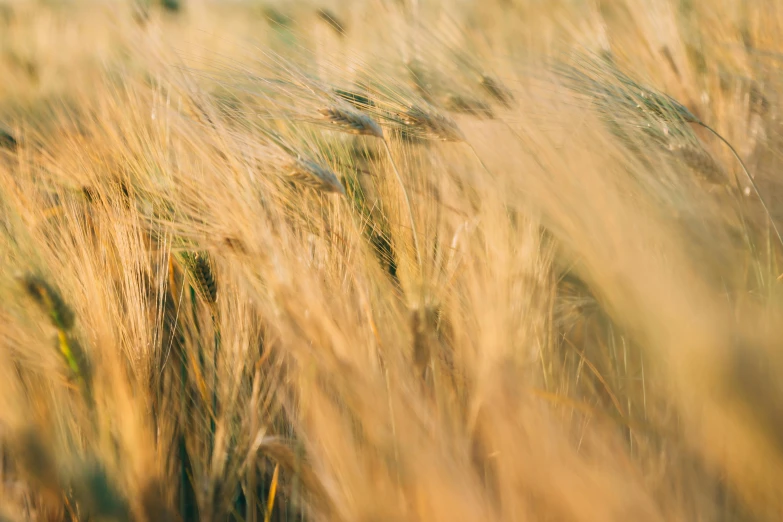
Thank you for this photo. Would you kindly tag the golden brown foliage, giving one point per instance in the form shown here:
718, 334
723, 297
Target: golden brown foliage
428, 261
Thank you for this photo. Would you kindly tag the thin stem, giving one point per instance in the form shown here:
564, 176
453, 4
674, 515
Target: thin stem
407, 203
750, 179
270, 503
481, 161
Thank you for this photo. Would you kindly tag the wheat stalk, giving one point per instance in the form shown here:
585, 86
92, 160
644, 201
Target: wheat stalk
355, 122
407, 203
663, 107
748, 176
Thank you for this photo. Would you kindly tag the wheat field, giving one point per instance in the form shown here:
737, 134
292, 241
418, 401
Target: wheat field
391, 260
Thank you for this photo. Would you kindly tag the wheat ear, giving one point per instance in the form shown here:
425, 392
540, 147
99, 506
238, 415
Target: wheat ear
199, 267
356, 122
747, 175
62, 318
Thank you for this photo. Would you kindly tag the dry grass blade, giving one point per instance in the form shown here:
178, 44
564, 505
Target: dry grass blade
270, 501
285, 457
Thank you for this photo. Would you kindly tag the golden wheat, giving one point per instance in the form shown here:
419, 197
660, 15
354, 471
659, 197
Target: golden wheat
524, 307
